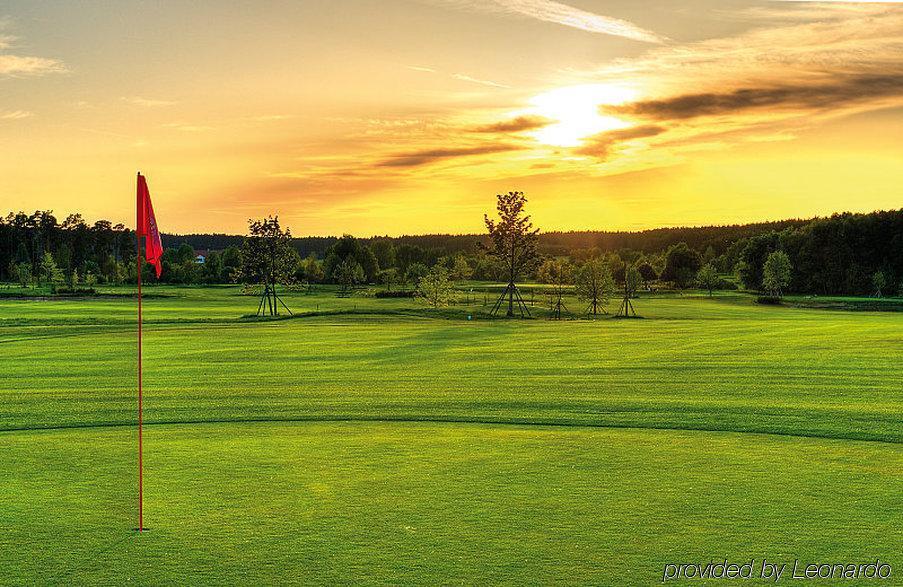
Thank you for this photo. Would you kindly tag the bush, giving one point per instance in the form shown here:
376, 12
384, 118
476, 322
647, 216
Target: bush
769, 300
394, 294
75, 291
726, 285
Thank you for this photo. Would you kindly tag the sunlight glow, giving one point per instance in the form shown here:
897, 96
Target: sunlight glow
576, 108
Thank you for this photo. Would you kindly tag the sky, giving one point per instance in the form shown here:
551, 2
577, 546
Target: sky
408, 116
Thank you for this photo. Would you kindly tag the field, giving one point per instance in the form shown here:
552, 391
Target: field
378, 441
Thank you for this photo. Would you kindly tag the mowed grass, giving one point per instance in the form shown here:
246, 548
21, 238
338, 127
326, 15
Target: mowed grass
377, 441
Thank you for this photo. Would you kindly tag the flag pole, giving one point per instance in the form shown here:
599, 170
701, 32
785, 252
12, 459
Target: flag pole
140, 416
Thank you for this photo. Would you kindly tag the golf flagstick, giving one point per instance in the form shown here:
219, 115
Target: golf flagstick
145, 226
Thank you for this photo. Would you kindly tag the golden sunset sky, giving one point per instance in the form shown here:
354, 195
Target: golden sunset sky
408, 116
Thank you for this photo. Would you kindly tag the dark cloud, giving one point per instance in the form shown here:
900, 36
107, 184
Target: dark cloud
602, 144
519, 124
847, 90
427, 156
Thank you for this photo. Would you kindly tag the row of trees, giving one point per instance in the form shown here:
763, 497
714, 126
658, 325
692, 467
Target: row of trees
843, 254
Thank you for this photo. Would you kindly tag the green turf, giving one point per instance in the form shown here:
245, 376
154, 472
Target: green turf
302, 449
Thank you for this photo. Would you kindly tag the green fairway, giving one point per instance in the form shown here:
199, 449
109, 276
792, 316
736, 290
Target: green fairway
379, 441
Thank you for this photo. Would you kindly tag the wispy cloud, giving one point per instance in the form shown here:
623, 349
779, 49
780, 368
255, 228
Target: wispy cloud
602, 145
426, 156
12, 65
459, 76
517, 124
147, 102
15, 115
562, 14
18, 65
474, 80
841, 92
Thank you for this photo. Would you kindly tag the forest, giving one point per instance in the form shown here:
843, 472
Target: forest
844, 254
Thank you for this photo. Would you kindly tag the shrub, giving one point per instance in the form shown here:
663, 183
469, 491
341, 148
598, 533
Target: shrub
769, 300
394, 294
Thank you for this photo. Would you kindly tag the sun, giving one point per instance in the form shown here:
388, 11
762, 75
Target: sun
576, 112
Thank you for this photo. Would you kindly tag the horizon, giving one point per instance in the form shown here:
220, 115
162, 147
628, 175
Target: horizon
410, 115
542, 231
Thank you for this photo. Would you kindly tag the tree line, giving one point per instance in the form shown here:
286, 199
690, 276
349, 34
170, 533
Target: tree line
841, 254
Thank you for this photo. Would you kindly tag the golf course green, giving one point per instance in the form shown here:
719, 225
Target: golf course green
378, 441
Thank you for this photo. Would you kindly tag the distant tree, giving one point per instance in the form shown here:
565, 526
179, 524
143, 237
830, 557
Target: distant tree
74, 279
268, 259
388, 277
415, 272
632, 280
51, 272
559, 274
384, 251
879, 282
776, 274
232, 264
594, 284
513, 241
708, 278
313, 269
460, 270
349, 247
22, 273
681, 265
349, 273
647, 272
436, 288
751, 261
486, 268
407, 254
213, 268
90, 279
616, 266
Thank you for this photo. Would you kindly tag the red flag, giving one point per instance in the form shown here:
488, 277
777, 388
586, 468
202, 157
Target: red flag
147, 226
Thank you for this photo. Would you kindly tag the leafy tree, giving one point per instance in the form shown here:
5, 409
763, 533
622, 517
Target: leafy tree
407, 254
348, 274
346, 248
21, 272
595, 284
436, 288
879, 282
708, 278
51, 272
632, 280
74, 279
313, 269
751, 264
268, 259
460, 270
559, 274
388, 277
513, 241
90, 279
231, 264
384, 251
647, 272
616, 266
681, 265
415, 272
213, 268
776, 274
